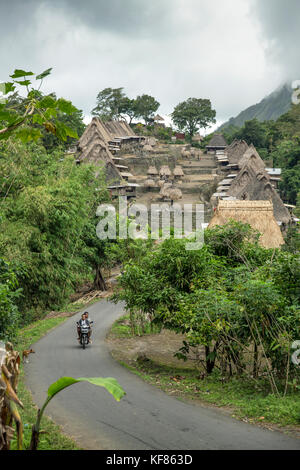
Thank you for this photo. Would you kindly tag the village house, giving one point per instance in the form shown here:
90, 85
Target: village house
258, 214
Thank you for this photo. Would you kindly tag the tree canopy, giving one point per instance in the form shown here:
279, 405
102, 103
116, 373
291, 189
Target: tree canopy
193, 114
112, 103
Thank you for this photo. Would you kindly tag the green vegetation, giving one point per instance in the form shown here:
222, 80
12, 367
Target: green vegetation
112, 103
109, 383
236, 303
246, 398
192, 114
27, 118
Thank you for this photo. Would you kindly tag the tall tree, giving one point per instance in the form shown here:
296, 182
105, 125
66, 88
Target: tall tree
193, 114
146, 106
253, 132
109, 104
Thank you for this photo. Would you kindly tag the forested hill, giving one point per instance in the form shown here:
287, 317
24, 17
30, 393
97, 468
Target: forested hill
270, 108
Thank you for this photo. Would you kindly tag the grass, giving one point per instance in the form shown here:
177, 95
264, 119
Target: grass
52, 437
242, 397
121, 328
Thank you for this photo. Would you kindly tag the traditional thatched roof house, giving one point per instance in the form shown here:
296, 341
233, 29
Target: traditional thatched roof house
164, 190
235, 151
217, 142
259, 214
96, 143
165, 171
174, 194
93, 148
152, 171
149, 183
247, 179
253, 184
178, 172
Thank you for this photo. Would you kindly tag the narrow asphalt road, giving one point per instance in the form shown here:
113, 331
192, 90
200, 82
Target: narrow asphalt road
146, 418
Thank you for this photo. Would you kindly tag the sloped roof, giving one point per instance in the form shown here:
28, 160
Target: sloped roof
236, 150
178, 171
259, 214
253, 183
149, 183
218, 140
152, 170
165, 170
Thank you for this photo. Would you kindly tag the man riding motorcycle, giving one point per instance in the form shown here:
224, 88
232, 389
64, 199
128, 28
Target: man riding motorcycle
84, 321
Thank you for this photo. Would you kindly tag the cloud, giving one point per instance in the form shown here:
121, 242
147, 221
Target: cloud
171, 49
279, 22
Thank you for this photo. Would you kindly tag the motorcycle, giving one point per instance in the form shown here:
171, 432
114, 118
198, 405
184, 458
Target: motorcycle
84, 334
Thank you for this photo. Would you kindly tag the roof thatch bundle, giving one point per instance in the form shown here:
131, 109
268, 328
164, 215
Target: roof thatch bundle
164, 190
148, 148
175, 194
259, 214
178, 171
217, 141
253, 183
161, 183
236, 150
165, 171
149, 183
152, 170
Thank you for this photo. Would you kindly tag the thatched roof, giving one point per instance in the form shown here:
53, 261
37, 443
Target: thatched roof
218, 140
235, 151
158, 118
149, 183
165, 171
152, 170
107, 131
148, 148
253, 183
259, 214
93, 147
164, 190
178, 171
174, 194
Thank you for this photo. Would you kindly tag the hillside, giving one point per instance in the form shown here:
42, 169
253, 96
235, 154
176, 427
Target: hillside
270, 108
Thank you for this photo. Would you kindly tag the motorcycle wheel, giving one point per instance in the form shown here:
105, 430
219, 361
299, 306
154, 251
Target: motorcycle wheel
83, 342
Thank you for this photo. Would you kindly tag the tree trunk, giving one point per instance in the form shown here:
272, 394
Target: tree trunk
99, 282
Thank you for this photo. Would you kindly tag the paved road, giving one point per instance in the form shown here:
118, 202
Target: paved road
146, 418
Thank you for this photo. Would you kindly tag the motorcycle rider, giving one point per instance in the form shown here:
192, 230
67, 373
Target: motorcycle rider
90, 328
82, 322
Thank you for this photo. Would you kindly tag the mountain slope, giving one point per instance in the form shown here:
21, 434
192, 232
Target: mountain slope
270, 108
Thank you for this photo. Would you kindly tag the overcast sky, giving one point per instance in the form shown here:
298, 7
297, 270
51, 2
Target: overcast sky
233, 52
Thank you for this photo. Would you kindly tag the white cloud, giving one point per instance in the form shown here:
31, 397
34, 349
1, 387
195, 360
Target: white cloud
172, 50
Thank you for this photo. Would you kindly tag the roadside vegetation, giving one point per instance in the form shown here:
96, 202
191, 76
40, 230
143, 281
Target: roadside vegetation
237, 305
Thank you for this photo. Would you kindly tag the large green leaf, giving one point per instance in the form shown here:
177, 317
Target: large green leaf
43, 74
111, 385
18, 73
9, 86
65, 106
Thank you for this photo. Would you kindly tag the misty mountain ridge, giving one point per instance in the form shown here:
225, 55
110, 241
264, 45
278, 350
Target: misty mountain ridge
270, 108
